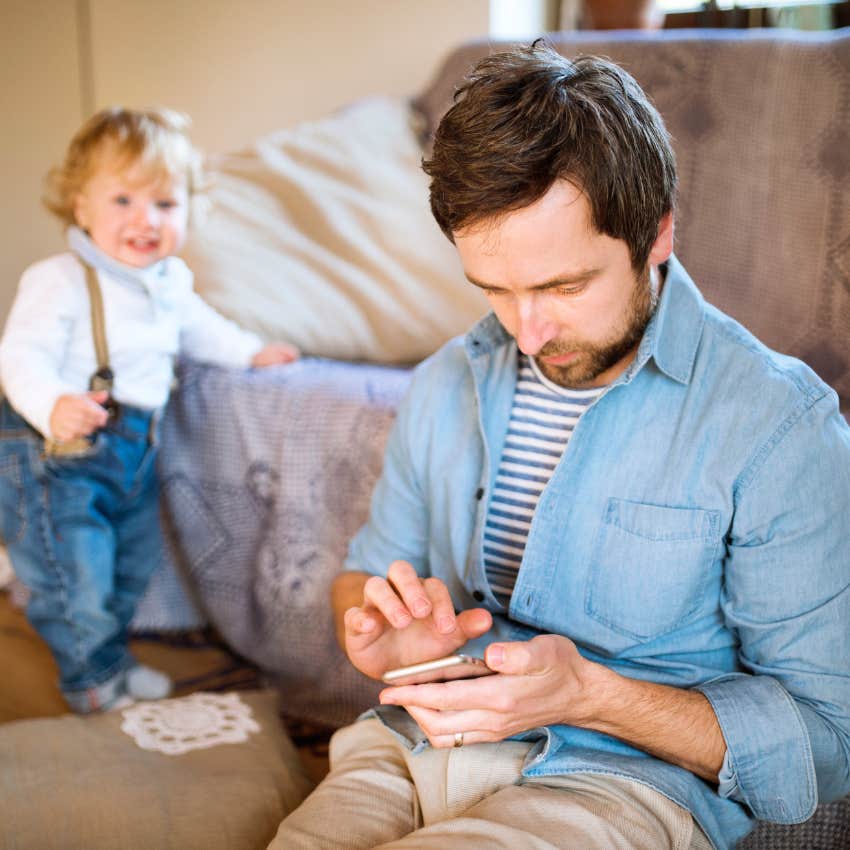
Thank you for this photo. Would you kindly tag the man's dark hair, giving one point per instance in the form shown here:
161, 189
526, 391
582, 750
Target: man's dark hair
527, 117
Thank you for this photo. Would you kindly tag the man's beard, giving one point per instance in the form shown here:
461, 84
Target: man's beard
593, 360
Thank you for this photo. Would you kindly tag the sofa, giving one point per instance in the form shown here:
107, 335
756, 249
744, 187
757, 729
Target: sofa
267, 474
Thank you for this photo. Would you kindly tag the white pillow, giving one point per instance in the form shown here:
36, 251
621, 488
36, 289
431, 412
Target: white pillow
321, 235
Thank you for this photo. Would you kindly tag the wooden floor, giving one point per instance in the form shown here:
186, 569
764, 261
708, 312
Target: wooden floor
195, 661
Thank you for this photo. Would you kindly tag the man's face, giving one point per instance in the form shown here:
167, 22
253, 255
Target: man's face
566, 293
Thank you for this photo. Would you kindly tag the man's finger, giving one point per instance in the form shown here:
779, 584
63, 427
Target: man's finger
525, 658
362, 628
459, 695
457, 728
442, 607
357, 621
474, 622
378, 593
409, 588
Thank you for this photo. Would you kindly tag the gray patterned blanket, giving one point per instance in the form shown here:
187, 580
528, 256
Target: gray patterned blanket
266, 475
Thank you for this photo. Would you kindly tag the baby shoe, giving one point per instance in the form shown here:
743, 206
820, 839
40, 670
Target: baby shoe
143, 682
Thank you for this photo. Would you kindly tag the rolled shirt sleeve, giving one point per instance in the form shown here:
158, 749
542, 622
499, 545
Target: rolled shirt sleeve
778, 738
787, 595
398, 520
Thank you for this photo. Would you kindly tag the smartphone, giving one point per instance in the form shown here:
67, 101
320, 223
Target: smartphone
439, 670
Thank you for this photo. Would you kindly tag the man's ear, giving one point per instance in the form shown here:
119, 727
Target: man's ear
662, 248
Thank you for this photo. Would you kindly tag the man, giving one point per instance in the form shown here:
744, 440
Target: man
635, 508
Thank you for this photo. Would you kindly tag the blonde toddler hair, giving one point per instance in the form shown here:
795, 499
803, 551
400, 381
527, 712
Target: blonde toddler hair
157, 138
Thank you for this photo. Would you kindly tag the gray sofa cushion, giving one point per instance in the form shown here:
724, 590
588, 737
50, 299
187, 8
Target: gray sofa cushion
828, 829
91, 783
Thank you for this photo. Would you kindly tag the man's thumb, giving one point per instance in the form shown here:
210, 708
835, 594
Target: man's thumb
511, 658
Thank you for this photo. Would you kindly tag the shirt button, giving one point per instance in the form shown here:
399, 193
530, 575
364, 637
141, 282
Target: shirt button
477, 595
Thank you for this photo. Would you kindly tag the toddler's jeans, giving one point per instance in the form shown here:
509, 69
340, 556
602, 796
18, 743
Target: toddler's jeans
83, 535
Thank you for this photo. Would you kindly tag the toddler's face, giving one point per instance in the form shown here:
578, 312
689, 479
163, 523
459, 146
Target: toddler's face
132, 218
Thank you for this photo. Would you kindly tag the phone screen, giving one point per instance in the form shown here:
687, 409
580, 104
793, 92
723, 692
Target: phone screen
439, 670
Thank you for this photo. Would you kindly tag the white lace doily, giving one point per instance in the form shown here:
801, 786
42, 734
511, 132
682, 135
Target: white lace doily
195, 722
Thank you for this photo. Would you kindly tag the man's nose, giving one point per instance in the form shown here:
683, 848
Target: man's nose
533, 327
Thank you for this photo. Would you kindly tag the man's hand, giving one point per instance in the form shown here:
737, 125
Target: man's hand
546, 681
402, 620
275, 354
543, 681
74, 416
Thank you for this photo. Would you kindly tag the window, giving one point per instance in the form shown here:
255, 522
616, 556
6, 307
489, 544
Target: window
797, 14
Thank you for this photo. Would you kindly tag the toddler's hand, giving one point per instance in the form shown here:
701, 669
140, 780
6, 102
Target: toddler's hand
75, 416
274, 354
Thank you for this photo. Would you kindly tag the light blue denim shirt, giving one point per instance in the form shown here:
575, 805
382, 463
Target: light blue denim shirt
695, 534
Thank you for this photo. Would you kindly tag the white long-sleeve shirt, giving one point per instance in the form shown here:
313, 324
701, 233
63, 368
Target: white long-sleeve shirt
47, 348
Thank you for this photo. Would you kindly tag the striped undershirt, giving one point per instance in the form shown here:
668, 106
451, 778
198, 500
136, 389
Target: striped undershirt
542, 421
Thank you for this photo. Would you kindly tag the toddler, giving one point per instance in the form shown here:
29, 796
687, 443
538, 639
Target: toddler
86, 366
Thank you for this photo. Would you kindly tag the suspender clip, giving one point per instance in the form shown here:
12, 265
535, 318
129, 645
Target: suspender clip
102, 379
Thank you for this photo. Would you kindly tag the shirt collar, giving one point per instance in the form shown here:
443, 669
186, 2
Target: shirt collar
147, 278
673, 334
671, 338
486, 335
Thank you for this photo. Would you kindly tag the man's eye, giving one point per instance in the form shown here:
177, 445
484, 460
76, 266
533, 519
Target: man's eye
569, 290
122, 200
166, 205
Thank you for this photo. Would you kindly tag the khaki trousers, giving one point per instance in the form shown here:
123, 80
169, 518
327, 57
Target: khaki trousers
379, 795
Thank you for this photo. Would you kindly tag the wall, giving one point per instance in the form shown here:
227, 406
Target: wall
40, 103
239, 69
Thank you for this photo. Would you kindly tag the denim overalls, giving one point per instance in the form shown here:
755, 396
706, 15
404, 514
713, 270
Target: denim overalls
83, 534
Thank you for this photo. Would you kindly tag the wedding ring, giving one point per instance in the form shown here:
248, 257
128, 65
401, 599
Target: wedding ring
458, 739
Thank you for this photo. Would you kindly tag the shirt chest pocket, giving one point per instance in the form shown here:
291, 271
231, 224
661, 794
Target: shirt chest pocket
650, 566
